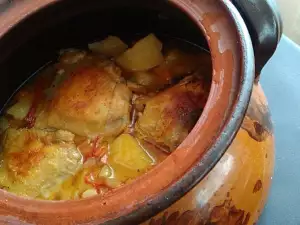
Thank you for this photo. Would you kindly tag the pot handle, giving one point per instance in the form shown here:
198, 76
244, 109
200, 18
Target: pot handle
265, 26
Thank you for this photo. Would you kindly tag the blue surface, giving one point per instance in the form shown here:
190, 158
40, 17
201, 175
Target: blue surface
281, 82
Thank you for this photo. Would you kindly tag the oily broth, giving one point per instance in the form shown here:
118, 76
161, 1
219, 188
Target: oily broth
155, 99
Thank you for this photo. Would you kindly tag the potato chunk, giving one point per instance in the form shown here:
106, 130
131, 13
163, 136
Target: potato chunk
21, 108
111, 46
127, 158
144, 55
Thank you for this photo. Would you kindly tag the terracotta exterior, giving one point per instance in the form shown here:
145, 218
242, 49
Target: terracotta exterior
235, 191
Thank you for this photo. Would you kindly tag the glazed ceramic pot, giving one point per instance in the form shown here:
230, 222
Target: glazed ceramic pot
222, 171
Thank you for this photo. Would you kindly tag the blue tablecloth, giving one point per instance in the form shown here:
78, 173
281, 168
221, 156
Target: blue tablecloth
281, 82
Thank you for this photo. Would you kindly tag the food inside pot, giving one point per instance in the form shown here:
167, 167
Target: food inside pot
98, 118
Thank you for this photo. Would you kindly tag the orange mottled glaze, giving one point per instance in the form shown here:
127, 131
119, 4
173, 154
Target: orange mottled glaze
236, 189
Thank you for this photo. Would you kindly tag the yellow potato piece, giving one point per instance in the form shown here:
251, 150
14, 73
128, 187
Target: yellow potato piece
20, 110
144, 55
111, 46
128, 159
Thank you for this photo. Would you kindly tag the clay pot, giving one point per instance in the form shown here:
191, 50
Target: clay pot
221, 173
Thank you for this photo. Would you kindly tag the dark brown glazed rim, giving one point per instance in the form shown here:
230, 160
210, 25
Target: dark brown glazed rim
205, 145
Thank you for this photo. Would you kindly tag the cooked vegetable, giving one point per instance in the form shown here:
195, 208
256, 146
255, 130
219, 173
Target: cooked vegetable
21, 108
144, 55
105, 171
111, 46
127, 158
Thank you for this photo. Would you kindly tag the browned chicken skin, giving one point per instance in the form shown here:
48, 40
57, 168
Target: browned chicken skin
92, 100
37, 161
170, 115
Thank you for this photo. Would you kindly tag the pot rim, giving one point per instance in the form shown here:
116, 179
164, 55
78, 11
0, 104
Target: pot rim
177, 188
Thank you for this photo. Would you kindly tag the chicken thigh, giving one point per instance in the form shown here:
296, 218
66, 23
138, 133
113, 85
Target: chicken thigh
169, 116
37, 162
92, 100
